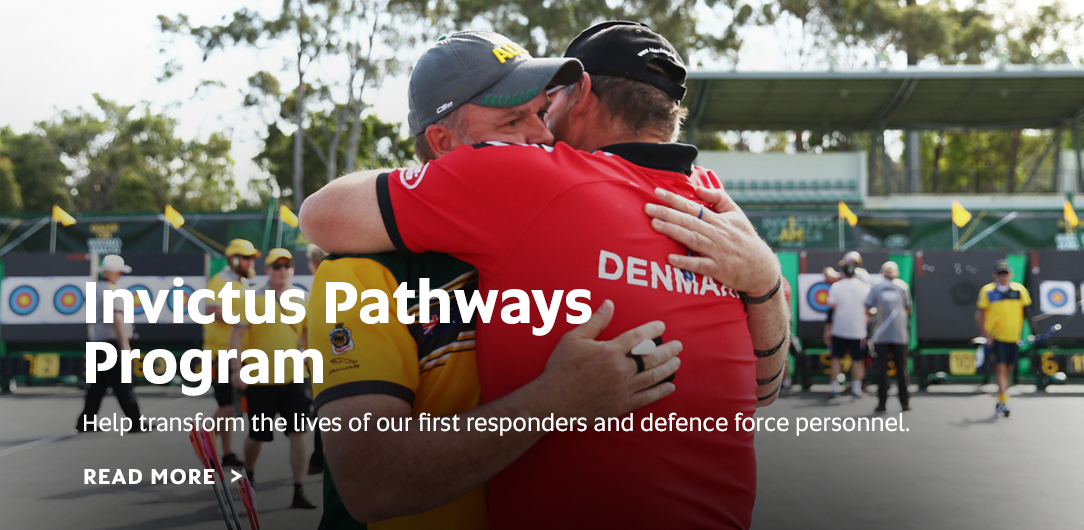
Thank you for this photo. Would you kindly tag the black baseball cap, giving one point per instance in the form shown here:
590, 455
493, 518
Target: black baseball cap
483, 68
1002, 265
625, 49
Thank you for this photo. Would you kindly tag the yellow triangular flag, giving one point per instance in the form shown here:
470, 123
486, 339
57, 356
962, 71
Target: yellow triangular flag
174, 217
846, 213
287, 216
960, 215
62, 217
1070, 215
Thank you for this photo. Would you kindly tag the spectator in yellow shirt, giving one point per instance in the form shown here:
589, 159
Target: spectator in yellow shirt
287, 398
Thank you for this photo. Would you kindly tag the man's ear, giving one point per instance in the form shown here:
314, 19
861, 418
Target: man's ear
441, 139
587, 101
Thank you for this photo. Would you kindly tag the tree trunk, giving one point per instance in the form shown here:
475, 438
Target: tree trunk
1015, 161
299, 136
332, 160
937, 150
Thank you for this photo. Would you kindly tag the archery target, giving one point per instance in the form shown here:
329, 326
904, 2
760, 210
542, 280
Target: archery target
68, 299
818, 297
24, 300
186, 294
813, 298
1057, 297
137, 303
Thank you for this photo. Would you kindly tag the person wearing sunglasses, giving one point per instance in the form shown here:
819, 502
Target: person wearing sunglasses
283, 398
1001, 320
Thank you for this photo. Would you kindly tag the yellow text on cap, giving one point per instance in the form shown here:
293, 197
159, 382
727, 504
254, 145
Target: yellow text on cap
508, 51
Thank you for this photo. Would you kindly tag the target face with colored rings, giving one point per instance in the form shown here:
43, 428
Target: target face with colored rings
1057, 297
68, 300
186, 294
24, 300
137, 306
818, 297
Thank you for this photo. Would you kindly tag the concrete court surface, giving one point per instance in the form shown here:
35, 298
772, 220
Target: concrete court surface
957, 466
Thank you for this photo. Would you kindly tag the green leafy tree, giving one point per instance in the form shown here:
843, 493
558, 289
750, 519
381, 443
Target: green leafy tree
379, 145
124, 158
39, 175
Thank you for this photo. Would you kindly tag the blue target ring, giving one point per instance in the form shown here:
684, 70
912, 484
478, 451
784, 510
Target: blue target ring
24, 300
188, 292
137, 307
818, 297
68, 300
1057, 297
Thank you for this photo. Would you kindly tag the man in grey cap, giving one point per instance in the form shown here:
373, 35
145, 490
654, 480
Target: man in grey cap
468, 87
628, 107
116, 333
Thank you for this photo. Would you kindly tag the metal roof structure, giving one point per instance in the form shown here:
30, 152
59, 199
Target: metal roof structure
969, 97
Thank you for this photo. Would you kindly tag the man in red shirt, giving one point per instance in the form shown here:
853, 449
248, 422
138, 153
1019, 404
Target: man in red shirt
551, 220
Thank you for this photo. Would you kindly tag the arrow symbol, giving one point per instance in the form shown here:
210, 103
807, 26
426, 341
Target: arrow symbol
236, 476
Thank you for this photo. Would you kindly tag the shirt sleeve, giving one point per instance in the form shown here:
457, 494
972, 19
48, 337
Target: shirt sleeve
984, 298
1025, 297
361, 358
833, 295
473, 203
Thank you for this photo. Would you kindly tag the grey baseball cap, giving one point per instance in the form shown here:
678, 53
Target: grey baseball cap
483, 68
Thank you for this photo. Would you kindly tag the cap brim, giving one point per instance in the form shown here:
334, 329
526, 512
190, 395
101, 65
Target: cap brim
527, 80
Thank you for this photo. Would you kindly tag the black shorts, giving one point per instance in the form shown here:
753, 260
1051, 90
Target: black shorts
223, 393
841, 347
1004, 352
286, 400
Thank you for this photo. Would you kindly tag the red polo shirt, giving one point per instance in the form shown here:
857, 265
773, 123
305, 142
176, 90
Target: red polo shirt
558, 219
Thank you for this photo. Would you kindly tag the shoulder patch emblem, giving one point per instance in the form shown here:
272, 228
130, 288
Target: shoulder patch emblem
412, 176
342, 340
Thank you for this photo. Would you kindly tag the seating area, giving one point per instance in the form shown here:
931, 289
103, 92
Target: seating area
792, 192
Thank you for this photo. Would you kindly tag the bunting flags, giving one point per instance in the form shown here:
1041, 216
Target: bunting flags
960, 215
1070, 215
174, 217
62, 217
846, 213
287, 216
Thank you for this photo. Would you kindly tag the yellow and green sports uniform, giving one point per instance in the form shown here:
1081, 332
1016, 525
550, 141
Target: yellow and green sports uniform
1004, 310
216, 335
430, 365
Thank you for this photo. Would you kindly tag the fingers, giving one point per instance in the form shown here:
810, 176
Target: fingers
691, 239
719, 200
628, 340
655, 375
661, 354
678, 202
596, 324
695, 264
650, 395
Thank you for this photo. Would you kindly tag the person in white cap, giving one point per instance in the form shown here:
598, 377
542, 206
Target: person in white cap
845, 330
118, 334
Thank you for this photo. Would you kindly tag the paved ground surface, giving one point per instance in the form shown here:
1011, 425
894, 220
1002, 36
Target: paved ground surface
956, 467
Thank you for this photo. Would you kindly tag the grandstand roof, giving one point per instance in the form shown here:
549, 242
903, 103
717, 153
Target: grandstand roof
1013, 97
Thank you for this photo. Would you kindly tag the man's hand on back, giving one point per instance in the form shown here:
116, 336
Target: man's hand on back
731, 251
589, 378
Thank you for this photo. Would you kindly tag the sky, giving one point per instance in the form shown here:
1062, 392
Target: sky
56, 54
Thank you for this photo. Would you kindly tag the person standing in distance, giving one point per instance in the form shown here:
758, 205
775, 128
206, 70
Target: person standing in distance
889, 306
240, 268
1000, 318
288, 398
845, 330
117, 334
